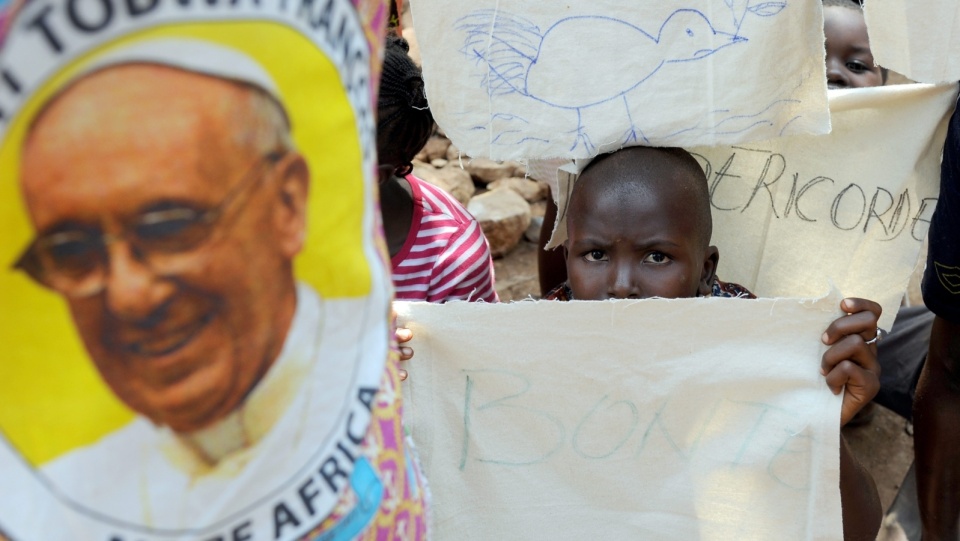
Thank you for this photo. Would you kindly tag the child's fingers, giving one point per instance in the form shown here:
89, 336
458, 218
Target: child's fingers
861, 386
852, 305
862, 316
863, 324
850, 348
404, 335
849, 373
406, 353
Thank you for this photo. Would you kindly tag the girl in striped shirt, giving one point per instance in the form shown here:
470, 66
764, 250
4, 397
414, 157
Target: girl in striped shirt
437, 250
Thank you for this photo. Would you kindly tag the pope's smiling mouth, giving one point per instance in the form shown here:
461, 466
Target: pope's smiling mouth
159, 342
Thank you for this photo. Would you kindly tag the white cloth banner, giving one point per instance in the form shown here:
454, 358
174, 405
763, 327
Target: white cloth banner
656, 419
921, 41
528, 80
791, 215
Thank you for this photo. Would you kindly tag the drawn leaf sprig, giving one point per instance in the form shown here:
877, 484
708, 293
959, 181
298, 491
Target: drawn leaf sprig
767, 9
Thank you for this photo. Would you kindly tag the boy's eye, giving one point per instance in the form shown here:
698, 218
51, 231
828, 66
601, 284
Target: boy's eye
595, 255
857, 67
657, 258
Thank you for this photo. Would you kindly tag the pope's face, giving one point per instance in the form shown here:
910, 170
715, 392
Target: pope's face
180, 334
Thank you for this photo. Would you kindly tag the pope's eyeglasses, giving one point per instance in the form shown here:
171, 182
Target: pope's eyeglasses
73, 259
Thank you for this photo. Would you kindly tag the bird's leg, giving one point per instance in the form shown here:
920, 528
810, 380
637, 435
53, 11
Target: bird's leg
633, 133
582, 137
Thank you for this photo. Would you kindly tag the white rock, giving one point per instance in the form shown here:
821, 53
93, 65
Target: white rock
486, 171
529, 189
532, 234
436, 147
503, 216
451, 179
453, 154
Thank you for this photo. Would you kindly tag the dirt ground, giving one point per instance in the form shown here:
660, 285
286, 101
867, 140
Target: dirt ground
883, 445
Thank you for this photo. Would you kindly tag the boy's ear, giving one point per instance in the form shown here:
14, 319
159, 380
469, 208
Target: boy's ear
711, 257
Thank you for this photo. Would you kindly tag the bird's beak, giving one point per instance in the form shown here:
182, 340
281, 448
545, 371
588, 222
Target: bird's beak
733, 38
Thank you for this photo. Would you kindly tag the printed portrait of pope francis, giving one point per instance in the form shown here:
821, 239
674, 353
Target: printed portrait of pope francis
168, 203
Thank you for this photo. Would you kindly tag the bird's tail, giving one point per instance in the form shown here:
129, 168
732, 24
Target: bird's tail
503, 45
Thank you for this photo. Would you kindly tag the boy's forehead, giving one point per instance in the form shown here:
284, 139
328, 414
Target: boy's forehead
621, 192
635, 170
667, 187
849, 19
633, 215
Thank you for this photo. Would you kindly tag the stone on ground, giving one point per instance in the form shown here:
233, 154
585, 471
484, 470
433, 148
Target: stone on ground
486, 171
436, 147
451, 179
453, 154
532, 234
503, 216
529, 189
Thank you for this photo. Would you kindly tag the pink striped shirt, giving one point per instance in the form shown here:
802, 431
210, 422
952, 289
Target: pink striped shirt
446, 257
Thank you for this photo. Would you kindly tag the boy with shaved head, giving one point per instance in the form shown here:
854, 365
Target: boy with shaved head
639, 226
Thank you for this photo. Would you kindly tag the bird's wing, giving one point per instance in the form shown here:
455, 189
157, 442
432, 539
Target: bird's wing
504, 45
738, 11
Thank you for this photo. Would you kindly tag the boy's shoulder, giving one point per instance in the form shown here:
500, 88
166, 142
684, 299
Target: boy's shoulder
560, 293
731, 290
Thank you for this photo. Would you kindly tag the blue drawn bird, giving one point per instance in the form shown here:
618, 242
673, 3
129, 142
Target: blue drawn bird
560, 68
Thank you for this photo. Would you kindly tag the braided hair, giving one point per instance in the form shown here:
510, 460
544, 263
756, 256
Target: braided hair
404, 120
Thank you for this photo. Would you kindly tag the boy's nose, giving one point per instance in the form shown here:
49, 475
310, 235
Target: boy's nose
836, 74
623, 284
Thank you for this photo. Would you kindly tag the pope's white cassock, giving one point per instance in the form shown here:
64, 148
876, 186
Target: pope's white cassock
149, 475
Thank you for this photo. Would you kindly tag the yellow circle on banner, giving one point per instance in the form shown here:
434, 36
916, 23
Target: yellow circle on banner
52, 399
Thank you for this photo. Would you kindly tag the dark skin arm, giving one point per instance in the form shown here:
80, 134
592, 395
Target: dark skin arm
396, 208
862, 513
551, 264
936, 437
850, 364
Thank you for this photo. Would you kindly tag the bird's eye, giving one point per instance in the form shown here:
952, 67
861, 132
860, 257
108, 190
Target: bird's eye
689, 32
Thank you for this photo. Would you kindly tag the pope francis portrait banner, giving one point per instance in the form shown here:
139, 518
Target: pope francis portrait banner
195, 306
